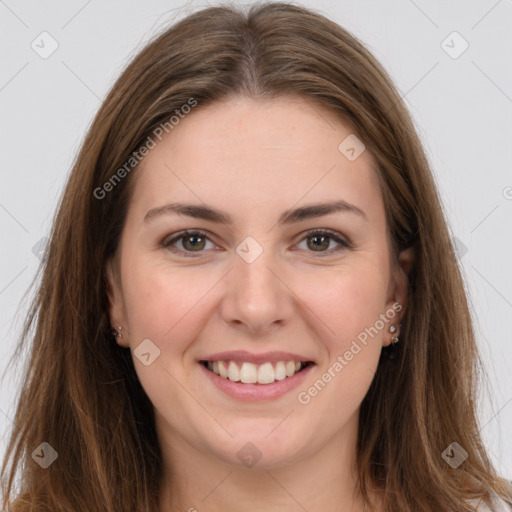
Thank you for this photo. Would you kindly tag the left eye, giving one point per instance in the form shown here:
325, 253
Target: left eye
321, 239
194, 242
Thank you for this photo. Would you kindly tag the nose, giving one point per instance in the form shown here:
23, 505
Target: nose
256, 296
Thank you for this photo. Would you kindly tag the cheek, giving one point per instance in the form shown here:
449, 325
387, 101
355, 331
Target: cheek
349, 303
346, 300
165, 304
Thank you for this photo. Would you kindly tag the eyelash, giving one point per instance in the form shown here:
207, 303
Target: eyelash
167, 244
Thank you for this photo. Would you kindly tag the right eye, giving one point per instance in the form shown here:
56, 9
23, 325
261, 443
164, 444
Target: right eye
192, 241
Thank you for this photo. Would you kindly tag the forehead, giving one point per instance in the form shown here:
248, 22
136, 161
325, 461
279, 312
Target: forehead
257, 155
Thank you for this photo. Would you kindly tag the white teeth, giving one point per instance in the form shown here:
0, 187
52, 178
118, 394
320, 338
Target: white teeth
266, 374
223, 371
290, 368
250, 373
280, 371
233, 372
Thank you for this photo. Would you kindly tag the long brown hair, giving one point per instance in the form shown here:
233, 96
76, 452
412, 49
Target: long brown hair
80, 392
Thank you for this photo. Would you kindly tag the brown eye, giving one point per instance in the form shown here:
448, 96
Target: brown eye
193, 242
189, 242
318, 241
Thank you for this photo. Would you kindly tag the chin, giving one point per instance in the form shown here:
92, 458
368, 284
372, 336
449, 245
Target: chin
262, 448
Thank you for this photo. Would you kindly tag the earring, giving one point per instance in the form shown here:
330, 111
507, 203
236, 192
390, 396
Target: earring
393, 329
390, 351
117, 332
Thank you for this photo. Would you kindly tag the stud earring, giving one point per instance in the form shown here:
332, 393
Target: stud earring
117, 332
394, 339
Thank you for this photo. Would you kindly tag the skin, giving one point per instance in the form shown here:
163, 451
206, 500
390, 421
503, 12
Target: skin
255, 159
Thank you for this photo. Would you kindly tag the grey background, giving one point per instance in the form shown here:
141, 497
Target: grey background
462, 107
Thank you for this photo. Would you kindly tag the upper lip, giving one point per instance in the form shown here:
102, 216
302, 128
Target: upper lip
242, 355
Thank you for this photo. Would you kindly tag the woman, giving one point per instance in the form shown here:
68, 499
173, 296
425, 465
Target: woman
250, 298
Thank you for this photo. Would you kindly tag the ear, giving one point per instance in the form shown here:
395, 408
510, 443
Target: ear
115, 297
398, 291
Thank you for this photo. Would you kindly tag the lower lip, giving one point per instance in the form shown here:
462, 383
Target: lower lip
255, 392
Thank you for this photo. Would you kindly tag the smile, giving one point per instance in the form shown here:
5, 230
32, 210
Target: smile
253, 382
250, 373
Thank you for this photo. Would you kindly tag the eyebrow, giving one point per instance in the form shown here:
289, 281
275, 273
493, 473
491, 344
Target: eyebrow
288, 217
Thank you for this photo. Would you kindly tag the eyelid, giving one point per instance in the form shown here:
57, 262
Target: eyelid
333, 235
174, 237
341, 240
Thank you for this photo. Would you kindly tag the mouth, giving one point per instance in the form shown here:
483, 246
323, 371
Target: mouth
266, 373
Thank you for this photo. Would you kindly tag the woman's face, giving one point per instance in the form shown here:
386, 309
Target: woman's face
263, 286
